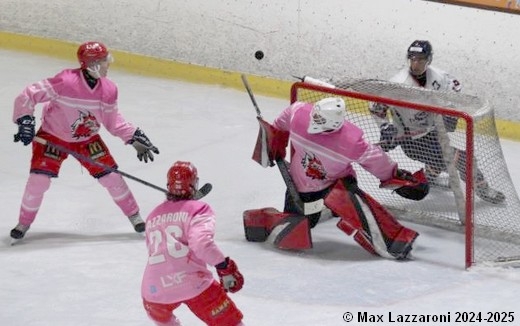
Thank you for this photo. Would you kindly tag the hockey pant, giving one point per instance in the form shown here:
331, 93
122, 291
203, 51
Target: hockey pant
306, 197
213, 306
428, 150
372, 226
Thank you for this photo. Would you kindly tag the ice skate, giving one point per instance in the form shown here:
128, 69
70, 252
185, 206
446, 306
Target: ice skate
437, 179
18, 233
440, 182
137, 222
486, 193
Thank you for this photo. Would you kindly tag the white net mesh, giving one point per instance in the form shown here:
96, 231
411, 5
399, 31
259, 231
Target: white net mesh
471, 152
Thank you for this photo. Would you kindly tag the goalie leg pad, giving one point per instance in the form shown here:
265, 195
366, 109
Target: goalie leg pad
292, 233
374, 228
285, 230
365, 242
258, 223
359, 236
398, 238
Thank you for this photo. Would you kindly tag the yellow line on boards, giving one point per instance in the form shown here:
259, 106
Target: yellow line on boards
169, 69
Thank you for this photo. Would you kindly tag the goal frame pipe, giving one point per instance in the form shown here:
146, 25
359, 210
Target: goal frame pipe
469, 207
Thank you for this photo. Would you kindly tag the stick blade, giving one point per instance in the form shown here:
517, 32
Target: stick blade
204, 190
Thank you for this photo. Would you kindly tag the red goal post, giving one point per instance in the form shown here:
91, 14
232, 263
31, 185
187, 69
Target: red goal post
492, 231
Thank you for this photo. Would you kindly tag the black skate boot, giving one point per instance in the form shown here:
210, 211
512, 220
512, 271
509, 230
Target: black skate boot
18, 233
486, 193
137, 222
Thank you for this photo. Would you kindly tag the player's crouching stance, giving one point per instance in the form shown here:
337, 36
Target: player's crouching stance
323, 148
179, 237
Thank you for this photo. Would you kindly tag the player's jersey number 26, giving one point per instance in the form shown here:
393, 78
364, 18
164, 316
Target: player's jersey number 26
173, 247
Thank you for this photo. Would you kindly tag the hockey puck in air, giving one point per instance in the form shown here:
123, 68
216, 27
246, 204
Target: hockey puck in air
259, 55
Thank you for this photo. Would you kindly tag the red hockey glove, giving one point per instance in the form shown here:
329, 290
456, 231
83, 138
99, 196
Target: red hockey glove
230, 278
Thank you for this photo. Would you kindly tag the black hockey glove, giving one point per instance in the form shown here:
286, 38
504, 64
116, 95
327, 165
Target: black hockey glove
418, 187
450, 123
378, 109
26, 125
387, 139
143, 146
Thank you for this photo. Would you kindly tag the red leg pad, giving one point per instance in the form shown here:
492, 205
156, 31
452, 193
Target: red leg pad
258, 223
360, 236
290, 231
293, 233
347, 205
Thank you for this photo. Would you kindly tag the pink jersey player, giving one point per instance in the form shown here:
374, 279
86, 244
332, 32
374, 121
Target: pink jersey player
324, 146
76, 103
321, 158
179, 237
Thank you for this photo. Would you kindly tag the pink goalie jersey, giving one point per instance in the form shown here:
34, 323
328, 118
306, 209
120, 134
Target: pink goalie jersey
318, 160
73, 111
179, 238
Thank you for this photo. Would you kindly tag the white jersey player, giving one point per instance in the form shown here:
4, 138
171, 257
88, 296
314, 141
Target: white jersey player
416, 131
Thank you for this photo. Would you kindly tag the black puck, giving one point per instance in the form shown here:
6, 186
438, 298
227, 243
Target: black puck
259, 55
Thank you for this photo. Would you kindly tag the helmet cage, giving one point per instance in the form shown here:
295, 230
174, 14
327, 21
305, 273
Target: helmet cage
327, 114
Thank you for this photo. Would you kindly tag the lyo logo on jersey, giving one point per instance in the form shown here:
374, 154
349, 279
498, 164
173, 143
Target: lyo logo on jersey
172, 279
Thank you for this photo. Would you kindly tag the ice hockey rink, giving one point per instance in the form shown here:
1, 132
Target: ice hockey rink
81, 263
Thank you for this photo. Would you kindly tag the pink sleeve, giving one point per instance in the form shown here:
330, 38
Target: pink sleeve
283, 121
40, 92
118, 126
113, 121
376, 161
201, 236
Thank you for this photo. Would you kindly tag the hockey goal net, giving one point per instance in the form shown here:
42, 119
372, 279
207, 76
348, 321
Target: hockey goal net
492, 231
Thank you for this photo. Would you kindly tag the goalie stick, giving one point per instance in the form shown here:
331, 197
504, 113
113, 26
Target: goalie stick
201, 192
303, 208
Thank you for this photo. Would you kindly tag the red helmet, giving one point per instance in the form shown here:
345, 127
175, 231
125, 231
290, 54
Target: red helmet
182, 179
89, 52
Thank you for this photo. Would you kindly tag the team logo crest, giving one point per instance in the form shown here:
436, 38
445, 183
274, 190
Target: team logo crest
85, 126
313, 167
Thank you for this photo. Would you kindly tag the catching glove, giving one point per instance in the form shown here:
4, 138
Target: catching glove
230, 278
143, 146
405, 184
387, 139
26, 132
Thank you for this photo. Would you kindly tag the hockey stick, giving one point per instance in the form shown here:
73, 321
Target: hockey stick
203, 191
303, 208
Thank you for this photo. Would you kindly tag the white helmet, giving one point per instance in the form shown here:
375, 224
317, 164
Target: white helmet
327, 114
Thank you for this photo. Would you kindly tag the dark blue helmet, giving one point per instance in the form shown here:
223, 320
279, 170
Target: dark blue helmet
422, 49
